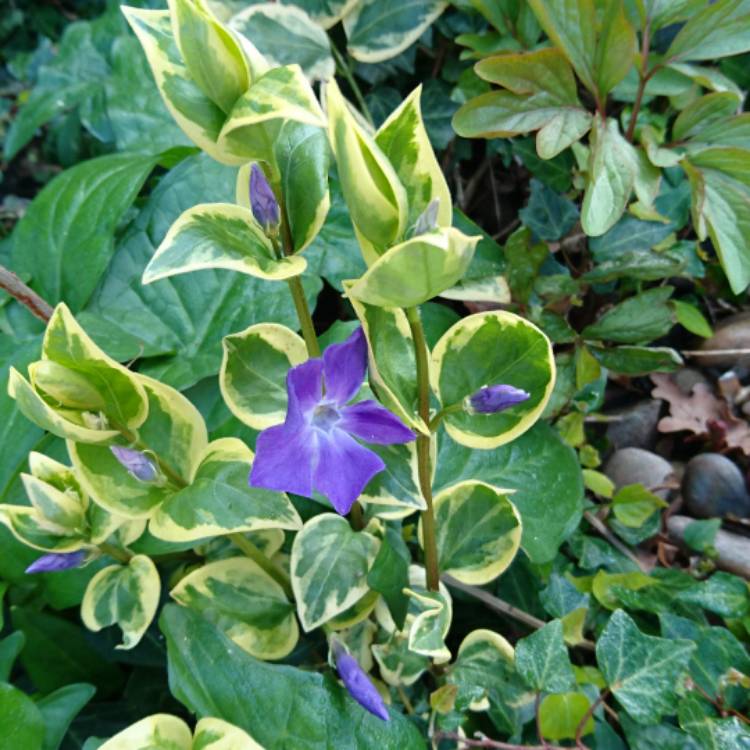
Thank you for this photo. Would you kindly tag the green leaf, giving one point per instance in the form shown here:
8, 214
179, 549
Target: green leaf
286, 35
58, 710
253, 372
637, 320
57, 653
219, 235
22, 721
10, 648
628, 234
66, 237
123, 595
700, 535
377, 30
615, 47
633, 505
718, 30
417, 270
478, 531
176, 325
430, 624
560, 715
723, 594
690, 317
568, 23
721, 207
698, 719
212, 676
542, 660
611, 177
389, 575
549, 502
703, 113
245, 603
638, 360
329, 567
488, 349
641, 670
549, 215
218, 500
156, 732
326, 13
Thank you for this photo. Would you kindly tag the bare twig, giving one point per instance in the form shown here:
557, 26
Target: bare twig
483, 741
589, 713
715, 352
38, 307
498, 605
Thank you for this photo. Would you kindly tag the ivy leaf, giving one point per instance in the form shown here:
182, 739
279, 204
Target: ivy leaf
549, 215
642, 671
542, 660
723, 594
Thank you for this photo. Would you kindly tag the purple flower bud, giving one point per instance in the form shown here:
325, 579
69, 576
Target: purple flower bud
358, 684
56, 561
494, 398
262, 200
138, 464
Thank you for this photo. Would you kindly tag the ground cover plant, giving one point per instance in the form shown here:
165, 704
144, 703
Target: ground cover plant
377, 375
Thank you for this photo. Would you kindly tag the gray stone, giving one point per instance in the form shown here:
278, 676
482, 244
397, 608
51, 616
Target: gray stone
635, 426
732, 333
733, 550
638, 466
688, 377
713, 486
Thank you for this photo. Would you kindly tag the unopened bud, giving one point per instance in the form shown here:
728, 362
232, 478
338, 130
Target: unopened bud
56, 561
137, 464
262, 200
495, 398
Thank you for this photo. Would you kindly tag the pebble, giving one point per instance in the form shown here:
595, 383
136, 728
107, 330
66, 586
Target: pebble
733, 550
732, 333
688, 377
714, 486
638, 466
636, 425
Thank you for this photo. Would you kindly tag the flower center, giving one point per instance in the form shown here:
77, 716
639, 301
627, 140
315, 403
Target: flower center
325, 417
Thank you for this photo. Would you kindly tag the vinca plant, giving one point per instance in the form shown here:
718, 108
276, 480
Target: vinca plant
363, 530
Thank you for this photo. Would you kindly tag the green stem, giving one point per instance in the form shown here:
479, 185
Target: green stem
298, 293
117, 554
423, 450
346, 71
263, 562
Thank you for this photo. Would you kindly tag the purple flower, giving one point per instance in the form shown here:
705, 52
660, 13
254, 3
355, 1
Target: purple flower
494, 398
138, 464
262, 200
358, 684
315, 448
56, 561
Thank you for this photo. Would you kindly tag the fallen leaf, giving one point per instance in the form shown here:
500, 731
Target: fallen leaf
701, 413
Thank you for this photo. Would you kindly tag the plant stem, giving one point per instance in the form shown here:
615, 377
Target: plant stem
120, 555
298, 293
487, 742
643, 77
423, 450
263, 562
346, 71
38, 307
589, 713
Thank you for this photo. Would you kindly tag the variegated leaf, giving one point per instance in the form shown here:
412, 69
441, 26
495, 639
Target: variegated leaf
216, 734
489, 349
392, 359
219, 235
254, 123
377, 30
123, 595
156, 732
239, 597
376, 198
429, 627
416, 270
405, 143
60, 508
33, 530
219, 501
395, 492
329, 568
326, 13
478, 531
253, 372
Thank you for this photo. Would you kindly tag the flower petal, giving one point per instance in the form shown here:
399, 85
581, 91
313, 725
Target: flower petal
137, 464
359, 686
345, 367
304, 386
262, 200
494, 398
344, 468
373, 423
285, 459
56, 561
